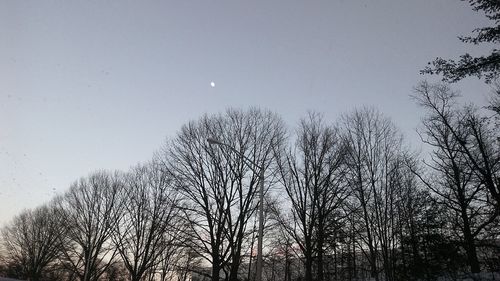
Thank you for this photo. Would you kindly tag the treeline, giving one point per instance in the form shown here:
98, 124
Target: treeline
344, 200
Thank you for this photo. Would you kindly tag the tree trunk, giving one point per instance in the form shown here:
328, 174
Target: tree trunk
308, 260
320, 242
308, 276
216, 269
373, 260
470, 247
288, 271
233, 273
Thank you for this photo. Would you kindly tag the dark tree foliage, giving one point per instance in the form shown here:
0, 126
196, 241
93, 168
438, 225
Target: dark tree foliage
487, 66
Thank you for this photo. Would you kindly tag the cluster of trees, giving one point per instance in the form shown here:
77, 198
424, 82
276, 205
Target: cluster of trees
107, 226
344, 201
362, 205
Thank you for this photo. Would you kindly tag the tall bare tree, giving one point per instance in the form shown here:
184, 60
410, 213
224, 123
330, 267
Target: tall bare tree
373, 158
148, 226
218, 188
477, 136
312, 176
91, 208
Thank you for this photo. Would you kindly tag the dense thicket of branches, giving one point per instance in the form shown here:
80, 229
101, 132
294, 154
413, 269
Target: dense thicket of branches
345, 200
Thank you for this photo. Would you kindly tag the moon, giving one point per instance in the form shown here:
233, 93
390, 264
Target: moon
212, 84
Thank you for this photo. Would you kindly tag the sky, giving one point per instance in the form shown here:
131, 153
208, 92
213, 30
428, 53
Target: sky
89, 85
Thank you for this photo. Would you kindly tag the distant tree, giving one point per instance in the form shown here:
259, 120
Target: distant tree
483, 66
32, 242
185, 261
91, 208
116, 271
283, 250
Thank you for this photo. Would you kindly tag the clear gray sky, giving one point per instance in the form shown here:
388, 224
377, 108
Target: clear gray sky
87, 85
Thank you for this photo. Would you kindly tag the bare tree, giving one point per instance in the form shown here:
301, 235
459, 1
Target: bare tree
373, 158
148, 226
476, 136
32, 241
311, 174
458, 178
217, 186
91, 209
